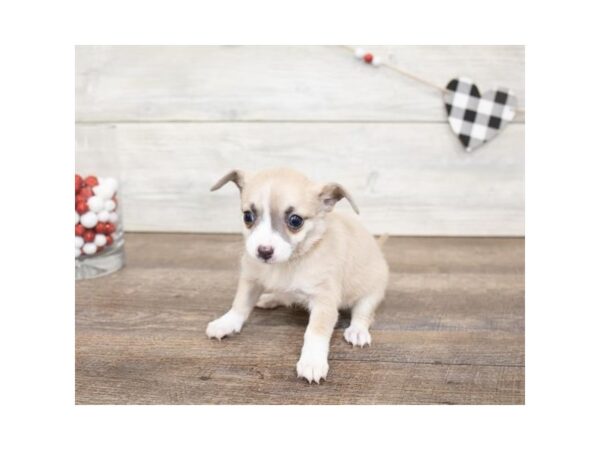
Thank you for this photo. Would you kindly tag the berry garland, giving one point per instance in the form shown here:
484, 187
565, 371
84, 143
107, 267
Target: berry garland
475, 118
367, 57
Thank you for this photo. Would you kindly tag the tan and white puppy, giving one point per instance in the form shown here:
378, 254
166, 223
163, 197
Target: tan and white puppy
299, 251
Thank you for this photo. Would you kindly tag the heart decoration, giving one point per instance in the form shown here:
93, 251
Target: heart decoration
477, 119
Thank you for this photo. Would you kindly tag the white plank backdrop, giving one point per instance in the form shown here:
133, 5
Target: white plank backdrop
170, 120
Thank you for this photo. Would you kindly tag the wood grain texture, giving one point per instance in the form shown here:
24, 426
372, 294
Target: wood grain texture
408, 179
450, 331
306, 83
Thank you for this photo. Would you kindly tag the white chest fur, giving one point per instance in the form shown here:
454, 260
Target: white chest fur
288, 279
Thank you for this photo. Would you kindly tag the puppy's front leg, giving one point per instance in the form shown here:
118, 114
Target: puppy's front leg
313, 360
246, 297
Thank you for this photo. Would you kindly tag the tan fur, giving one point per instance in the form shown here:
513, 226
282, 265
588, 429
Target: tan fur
335, 263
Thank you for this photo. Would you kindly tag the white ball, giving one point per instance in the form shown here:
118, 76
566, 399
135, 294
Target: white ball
77, 252
76, 218
103, 191
95, 203
376, 61
89, 219
90, 248
113, 217
103, 216
360, 53
110, 205
100, 240
78, 242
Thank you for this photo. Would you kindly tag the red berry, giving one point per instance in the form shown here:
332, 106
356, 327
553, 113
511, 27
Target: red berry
88, 236
109, 228
86, 192
78, 183
81, 207
368, 58
79, 230
109, 240
91, 181
101, 228
79, 198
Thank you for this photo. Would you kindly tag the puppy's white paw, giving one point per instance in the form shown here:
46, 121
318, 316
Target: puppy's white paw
357, 335
229, 323
313, 369
313, 359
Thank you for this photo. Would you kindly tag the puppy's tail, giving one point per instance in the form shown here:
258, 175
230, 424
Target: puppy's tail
381, 239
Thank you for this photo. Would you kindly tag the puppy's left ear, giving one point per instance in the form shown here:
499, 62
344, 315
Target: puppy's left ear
332, 193
237, 176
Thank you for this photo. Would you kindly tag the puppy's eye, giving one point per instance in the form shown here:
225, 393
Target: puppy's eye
295, 222
248, 217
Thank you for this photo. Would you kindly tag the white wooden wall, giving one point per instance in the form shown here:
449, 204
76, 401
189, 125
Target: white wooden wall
170, 120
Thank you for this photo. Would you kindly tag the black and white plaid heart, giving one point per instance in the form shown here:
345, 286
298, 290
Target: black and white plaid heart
476, 119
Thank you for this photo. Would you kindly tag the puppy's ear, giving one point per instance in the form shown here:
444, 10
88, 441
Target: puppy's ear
237, 176
332, 193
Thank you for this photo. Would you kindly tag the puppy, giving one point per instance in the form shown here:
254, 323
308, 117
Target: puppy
299, 251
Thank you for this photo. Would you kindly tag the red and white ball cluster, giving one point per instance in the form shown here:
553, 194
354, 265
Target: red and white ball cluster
96, 217
367, 57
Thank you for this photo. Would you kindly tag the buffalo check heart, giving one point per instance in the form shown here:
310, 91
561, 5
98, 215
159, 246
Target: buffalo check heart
474, 118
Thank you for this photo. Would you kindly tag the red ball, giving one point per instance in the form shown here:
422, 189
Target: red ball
79, 198
101, 228
368, 58
81, 207
91, 181
109, 228
88, 236
78, 183
109, 240
79, 230
86, 192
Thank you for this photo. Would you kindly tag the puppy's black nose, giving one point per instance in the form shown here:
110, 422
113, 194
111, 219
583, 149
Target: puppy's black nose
265, 252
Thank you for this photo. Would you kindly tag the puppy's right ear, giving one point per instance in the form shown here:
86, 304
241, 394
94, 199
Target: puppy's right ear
332, 193
237, 176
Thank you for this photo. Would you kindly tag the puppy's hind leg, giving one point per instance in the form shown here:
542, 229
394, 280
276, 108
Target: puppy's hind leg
268, 300
363, 313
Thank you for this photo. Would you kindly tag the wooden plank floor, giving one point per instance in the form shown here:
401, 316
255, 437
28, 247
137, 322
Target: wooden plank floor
451, 330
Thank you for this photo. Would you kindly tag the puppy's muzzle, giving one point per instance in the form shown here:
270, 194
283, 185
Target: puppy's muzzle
265, 252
